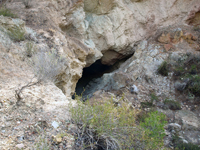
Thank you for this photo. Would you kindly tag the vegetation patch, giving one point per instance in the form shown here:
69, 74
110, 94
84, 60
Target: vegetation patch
107, 126
16, 34
30, 48
46, 67
187, 75
179, 70
163, 69
173, 105
180, 145
187, 146
150, 104
153, 126
147, 104
7, 13
194, 86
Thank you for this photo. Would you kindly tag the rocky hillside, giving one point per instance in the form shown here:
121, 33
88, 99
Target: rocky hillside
146, 52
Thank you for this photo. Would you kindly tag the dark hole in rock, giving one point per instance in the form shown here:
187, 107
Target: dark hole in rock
96, 70
92, 74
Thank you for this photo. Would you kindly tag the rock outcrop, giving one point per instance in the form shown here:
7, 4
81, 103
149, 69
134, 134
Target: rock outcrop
106, 30
114, 26
80, 32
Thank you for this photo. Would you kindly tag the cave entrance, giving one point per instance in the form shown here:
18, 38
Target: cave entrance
92, 76
96, 70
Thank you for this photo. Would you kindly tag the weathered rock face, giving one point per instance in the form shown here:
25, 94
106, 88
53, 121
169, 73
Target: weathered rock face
115, 25
83, 31
142, 67
100, 29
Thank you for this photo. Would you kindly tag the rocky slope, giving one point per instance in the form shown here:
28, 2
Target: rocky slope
139, 33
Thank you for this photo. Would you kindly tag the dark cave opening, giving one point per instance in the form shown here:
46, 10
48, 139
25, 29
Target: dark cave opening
93, 72
96, 70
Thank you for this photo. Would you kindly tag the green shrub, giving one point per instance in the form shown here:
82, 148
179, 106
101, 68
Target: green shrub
141, 116
146, 104
102, 125
106, 126
163, 69
193, 69
174, 105
187, 146
153, 97
180, 145
16, 34
6, 12
153, 126
179, 70
194, 87
149, 104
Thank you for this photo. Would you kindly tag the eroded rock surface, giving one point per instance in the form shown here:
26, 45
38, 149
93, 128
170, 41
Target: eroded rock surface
115, 25
84, 31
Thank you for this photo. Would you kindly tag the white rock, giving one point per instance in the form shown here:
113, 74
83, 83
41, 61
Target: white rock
55, 124
20, 146
135, 89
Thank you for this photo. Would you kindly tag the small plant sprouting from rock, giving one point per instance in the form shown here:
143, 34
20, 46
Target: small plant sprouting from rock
193, 69
16, 34
46, 66
194, 86
163, 69
30, 48
173, 105
151, 103
6, 12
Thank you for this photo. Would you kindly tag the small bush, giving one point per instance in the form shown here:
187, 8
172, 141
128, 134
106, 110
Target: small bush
6, 12
194, 86
153, 126
16, 34
146, 104
141, 116
173, 105
47, 65
187, 146
163, 69
193, 69
180, 145
106, 126
179, 70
